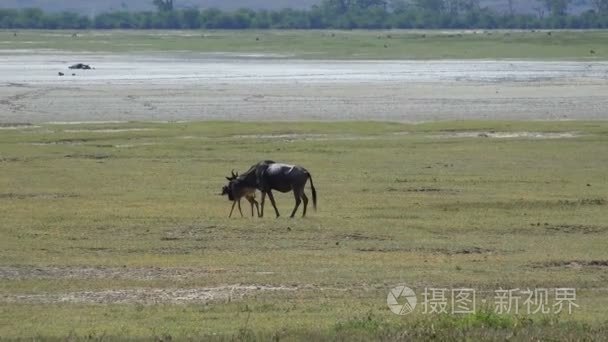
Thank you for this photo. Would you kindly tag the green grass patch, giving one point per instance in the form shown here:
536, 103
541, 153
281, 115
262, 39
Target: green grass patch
125, 207
557, 45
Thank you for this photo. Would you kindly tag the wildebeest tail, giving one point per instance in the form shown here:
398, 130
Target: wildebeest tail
314, 192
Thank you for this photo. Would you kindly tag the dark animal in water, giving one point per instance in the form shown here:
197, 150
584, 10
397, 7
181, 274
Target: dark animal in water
268, 175
80, 66
235, 193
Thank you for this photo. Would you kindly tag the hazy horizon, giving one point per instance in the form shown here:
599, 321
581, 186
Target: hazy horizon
92, 7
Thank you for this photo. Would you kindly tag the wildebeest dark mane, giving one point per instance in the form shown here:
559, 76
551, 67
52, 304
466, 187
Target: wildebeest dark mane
250, 177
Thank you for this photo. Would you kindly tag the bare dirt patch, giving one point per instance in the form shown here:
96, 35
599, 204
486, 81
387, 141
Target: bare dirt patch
507, 135
584, 201
471, 250
136, 145
190, 232
109, 130
101, 272
428, 190
361, 237
60, 142
9, 159
383, 249
96, 156
294, 136
576, 229
149, 296
311, 137
15, 126
527, 204
431, 190
574, 264
443, 251
20, 196
86, 122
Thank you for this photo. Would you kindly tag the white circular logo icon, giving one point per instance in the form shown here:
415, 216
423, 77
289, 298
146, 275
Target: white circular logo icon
401, 300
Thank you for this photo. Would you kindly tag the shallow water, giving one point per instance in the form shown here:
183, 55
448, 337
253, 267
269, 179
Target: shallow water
36, 67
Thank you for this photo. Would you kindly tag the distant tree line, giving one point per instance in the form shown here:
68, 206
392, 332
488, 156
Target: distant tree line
329, 14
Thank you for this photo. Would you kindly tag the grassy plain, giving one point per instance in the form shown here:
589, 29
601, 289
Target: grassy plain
546, 45
428, 205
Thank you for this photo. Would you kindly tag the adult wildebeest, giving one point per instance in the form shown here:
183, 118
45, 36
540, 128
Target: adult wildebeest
235, 193
268, 175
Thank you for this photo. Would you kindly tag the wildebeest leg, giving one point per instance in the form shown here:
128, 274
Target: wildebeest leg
262, 204
231, 210
305, 200
273, 203
253, 201
257, 208
296, 194
240, 211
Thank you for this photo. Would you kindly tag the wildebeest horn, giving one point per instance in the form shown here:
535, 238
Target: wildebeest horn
233, 175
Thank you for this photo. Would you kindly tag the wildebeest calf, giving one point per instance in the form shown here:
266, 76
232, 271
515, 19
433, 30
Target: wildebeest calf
235, 193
